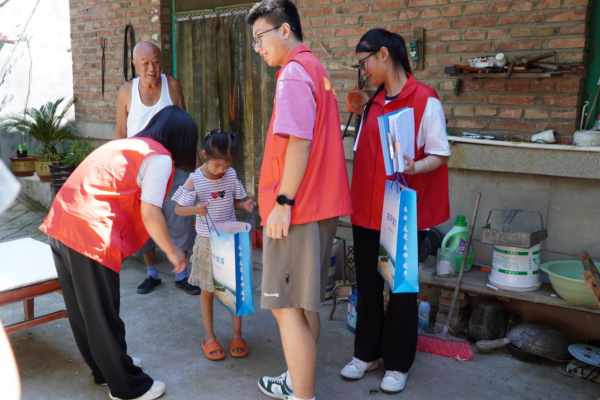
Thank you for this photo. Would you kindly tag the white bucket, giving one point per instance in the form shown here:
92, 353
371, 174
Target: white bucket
516, 269
331, 274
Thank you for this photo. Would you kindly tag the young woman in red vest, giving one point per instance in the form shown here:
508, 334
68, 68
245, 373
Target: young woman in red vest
392, 336
106, 211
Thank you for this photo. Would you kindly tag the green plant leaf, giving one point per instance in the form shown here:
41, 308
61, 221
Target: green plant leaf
43, 124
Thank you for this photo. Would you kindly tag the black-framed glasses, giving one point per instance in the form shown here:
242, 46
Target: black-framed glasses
362, 63
257, 41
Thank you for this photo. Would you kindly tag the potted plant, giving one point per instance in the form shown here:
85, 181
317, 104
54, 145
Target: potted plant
61, 171
22, 165
46, 126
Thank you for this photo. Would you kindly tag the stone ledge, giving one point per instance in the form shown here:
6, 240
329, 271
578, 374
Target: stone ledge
525, 160
34, 189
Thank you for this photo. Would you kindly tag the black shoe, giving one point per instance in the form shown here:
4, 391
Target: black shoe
189, 289
148, 285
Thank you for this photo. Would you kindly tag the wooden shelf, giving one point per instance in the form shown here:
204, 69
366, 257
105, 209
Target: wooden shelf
475, 281
476, 75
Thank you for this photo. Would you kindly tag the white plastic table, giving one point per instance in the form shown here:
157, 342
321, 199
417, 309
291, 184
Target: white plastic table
27, 271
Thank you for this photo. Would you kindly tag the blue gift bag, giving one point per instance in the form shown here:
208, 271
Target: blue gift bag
398, 261
231, 247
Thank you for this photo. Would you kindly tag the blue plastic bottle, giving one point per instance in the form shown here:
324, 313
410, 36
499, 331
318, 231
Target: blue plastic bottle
424, 310
352, 314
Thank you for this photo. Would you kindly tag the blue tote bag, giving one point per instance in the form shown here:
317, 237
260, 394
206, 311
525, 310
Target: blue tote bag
398, 259
231, 247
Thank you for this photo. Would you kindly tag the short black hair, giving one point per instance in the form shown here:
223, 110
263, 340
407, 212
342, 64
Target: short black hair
277, 12
176, 130
220, 145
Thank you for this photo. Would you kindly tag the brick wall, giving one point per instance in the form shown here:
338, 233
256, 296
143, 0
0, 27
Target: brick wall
456, 30
92, 20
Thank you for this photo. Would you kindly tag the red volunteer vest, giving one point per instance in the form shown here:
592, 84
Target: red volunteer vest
324, 192
368, 179
97, 212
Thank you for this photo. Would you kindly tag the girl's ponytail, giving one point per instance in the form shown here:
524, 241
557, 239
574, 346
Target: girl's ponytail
219, 144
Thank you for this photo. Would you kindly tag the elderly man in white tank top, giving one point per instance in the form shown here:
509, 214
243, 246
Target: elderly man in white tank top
139, 100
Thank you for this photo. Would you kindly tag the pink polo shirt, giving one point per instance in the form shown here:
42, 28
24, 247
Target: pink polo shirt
296, 105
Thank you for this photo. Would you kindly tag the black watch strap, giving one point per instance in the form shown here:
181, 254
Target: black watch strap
282, 200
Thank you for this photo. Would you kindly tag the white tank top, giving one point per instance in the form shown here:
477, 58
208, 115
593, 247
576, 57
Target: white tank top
140, 114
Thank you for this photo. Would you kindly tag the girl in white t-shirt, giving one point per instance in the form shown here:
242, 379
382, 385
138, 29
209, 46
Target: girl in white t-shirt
213, 187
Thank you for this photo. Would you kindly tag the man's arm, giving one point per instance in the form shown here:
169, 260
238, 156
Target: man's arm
122, 110
296, 160
176, 92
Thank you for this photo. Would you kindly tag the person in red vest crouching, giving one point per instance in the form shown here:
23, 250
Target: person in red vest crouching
105, 212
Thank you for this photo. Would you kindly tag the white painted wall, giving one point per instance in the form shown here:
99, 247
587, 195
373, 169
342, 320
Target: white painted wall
49, 29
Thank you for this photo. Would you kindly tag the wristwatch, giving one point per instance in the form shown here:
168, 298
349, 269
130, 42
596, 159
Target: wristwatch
282, 200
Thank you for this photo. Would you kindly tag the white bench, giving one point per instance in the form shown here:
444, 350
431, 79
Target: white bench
27, 271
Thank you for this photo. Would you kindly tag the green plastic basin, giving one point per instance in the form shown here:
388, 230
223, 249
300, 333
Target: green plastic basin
565, 277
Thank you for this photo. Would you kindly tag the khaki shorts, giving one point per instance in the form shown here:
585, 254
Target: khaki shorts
295, 268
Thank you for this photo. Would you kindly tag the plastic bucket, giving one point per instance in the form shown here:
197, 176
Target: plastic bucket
515, 268
332, 265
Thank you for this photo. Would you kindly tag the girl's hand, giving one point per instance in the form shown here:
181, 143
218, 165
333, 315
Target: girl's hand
249, 205
410, 166
201, 209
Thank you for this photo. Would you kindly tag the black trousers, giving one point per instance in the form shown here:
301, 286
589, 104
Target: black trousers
92, 297
391, 336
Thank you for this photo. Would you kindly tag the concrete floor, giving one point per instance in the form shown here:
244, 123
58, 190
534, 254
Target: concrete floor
165, 331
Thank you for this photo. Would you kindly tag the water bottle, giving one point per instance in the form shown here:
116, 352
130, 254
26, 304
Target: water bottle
424, 309
352, 314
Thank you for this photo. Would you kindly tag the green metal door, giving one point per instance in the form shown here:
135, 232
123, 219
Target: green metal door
593, 66
225, 83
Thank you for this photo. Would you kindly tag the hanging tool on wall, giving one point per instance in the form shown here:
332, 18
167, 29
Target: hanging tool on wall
356, 101
527, 61
103, 47
129, 28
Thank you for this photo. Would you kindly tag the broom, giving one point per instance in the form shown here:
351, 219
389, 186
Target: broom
442, 343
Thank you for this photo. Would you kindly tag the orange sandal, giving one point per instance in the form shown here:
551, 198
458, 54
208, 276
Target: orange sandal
213, 347
238, 344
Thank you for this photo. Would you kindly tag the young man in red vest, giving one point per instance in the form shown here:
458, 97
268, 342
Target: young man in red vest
303, 189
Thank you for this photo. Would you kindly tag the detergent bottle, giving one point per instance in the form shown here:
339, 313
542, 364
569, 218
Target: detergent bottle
456, 239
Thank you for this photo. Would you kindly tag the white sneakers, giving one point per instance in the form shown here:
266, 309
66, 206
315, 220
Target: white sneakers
158, 389
393, 381
356, 368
